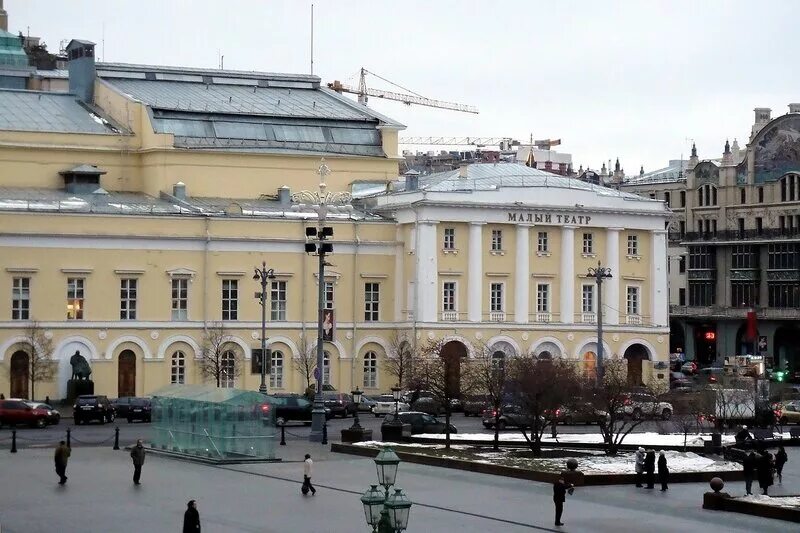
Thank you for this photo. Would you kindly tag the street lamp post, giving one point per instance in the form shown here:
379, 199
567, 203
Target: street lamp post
599, 273
320, 201
263, 275
386, 513
356, 433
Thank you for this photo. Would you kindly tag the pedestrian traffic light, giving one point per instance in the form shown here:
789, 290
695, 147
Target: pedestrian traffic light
779, 375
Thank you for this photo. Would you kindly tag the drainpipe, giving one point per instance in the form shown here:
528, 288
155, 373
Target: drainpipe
357, 241
207, 220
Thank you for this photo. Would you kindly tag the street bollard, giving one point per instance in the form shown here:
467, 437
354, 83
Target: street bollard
13, 441
116, 438
325, 432
283, 434
69, 438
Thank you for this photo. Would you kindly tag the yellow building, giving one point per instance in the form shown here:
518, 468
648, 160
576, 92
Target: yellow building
133, 211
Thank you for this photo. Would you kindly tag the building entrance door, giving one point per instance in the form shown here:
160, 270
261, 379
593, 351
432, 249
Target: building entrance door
126, 374
20, 375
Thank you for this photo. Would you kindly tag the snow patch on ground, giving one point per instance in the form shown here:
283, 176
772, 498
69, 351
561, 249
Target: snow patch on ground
381, 444
636, 439
792, 502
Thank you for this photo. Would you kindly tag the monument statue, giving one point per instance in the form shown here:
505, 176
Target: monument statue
80, 367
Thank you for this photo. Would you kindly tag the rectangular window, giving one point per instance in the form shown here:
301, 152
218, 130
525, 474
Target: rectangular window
702, 293
681, 296
542, 245
497, 240
21, 299
496, 297
666, 198
714, 227
783, 256
277, 301
329, 295
449, 296
744, 256
230, 299
371, 301
449, 239
713, 196
761, 195
683, 198
682, 226
740, 223
742, 196
75, 298
682, 264
588, 244
180, 299
702, 258
744, 293
127, 298
587, 299
783, 294
542, 298
633, 245
633, 301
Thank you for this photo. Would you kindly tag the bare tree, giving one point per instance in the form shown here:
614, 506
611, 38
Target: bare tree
687, 424
41, 367
401, 361
491, 378
306, 360
220, 361
732, 406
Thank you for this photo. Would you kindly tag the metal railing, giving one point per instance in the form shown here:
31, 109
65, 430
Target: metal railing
733, 312
739, 235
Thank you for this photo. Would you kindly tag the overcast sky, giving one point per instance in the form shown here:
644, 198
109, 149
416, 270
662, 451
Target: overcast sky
635, 80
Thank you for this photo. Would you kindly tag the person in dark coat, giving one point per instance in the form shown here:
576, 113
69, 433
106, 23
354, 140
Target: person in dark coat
749, 469
61, 457
650, 468
780, 459
560, 489
663, 471
137, 455
764, 469
191, 518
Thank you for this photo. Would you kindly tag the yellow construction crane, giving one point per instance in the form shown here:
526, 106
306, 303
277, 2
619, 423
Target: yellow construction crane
408, 98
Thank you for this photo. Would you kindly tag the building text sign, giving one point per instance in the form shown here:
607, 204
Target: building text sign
550, 218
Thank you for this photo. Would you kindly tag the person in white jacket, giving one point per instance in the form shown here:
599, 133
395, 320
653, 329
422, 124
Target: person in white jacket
640, 454
308, 468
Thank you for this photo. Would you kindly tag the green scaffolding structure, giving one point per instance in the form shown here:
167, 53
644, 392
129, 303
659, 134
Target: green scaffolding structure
214, 423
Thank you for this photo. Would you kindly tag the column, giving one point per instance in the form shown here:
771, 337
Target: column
399, 281
659, 285
427, 275
611, 285
567, 274
522, 275
475, 276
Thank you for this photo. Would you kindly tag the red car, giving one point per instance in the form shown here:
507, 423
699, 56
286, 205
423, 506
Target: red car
19, 413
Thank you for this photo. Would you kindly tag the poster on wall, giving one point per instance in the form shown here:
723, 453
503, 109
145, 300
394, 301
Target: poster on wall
328, 325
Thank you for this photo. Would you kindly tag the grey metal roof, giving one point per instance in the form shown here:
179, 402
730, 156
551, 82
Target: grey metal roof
50, 112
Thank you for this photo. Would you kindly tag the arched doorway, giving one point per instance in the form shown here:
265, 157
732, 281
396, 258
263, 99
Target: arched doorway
636, 354
452, 353
786, 351
744, 345
20, 375
126, 374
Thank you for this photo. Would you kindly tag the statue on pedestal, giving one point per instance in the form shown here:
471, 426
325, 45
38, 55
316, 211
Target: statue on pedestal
79, 383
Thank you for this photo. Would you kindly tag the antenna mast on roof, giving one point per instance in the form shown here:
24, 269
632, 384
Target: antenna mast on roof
312, 39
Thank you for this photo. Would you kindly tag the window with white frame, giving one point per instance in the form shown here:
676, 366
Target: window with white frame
180, 299
496, 297
588, 243
449, 296
370, 370
497, 240
633, 245
328, 294
543, 298
543, 244
227, 378
127, 298
178, 368
230, 299
276, 369
277, 300
371, 301
21, 299
587, 299
633, 300
326, 368
449, 239
75, 298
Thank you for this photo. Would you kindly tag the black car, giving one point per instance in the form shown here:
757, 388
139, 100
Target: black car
420, 422
139, 409
339, 403
93, 407
122, 406
293, 407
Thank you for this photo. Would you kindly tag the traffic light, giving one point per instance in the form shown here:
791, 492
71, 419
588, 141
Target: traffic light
780, 375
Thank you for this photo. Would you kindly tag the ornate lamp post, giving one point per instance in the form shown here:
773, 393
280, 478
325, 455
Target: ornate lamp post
599, 273
386, 513
320, 201
263, 275
396, 392
356, 433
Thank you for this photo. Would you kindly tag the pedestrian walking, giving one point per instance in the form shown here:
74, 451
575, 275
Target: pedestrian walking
137, 455
780, 459
61, 457
191, 518
663, 471
639, 466
650, 468
560, 490
749, 468
764, 470
308, 468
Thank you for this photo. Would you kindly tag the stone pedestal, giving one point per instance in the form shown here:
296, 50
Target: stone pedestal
392, 432
356, 435
78, 387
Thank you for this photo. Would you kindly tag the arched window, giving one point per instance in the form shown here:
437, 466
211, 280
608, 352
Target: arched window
276, 370
227, 378
498, 361
178, 374
370, 370
789, 185
326, 368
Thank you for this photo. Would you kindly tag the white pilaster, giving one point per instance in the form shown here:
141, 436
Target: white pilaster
399, 293
567, 276
522, 292
427, 274
611, 285
659, 284
475, 277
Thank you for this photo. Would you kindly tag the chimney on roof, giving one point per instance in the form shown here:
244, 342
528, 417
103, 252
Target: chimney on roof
793, 108
762, 116
3, 18
284, 195
80, 56
179, 190
463, 170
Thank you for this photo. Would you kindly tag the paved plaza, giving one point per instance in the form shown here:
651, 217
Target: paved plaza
100, 497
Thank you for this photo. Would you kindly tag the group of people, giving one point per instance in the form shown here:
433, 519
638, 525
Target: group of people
761, 467
646, 466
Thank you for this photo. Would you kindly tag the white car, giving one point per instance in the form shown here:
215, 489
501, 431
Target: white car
384, 405
639, 406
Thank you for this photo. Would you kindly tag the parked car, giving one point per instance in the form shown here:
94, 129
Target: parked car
711, 374
639, 406
139, 409
384, 405
789, 413
510, 416
421, 422
93, 407
679, 382
426, 403
583, 413
339, 403
53, 416
689, 368
367, 403
122, 406
294, 408
16, 412
475, 405
456, 405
